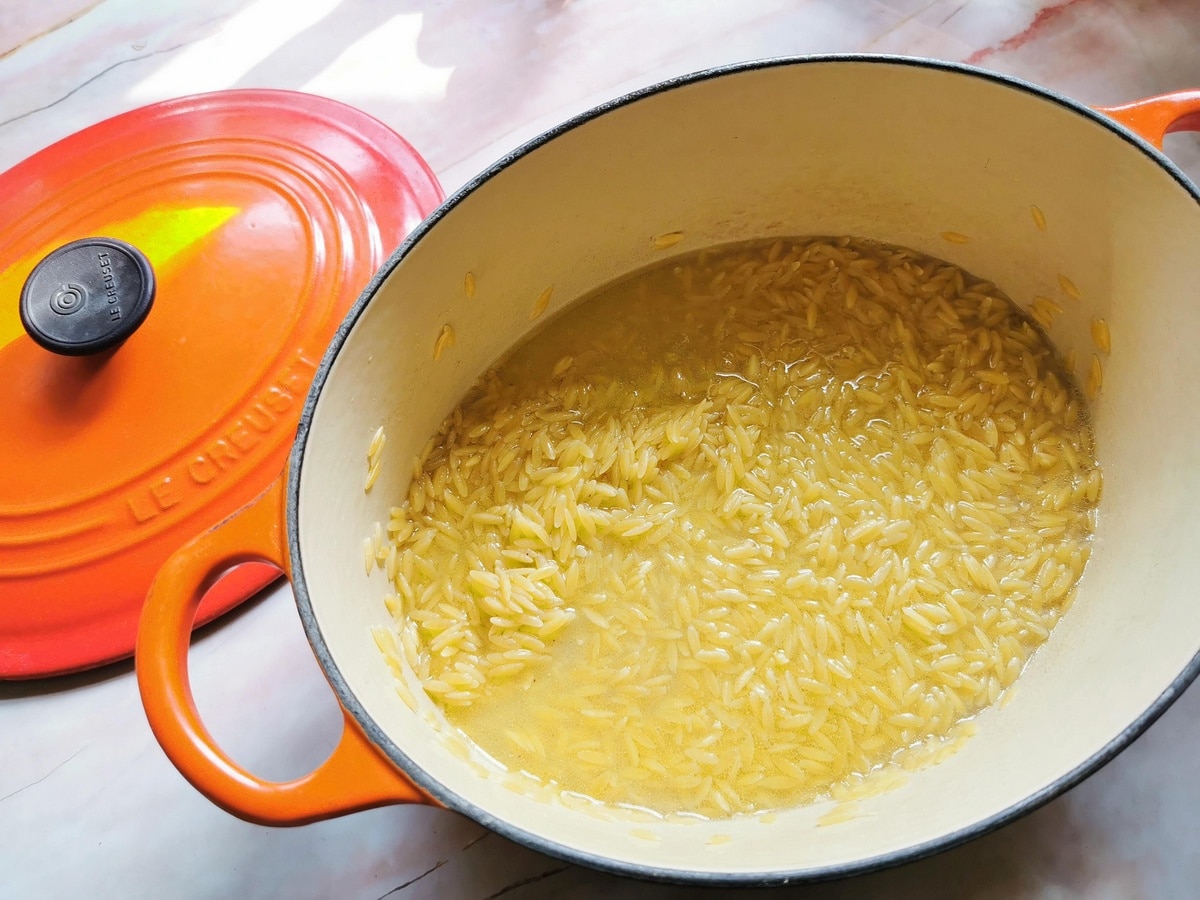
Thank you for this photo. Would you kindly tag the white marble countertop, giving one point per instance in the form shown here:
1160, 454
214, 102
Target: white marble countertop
89, 805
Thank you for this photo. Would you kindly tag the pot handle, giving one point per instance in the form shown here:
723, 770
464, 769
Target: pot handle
1156, 117
355, 777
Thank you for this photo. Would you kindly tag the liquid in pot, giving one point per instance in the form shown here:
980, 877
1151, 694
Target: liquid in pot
746, 525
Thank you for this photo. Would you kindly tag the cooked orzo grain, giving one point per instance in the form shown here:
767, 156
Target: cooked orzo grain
736, 530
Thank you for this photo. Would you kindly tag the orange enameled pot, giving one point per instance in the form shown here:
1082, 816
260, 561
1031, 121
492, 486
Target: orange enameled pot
894, 149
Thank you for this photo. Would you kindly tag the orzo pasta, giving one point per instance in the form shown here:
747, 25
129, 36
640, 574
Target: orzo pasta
745, 525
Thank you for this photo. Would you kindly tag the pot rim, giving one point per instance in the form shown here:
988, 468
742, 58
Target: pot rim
451, 800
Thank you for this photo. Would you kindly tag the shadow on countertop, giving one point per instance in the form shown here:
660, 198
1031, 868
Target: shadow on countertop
471, 38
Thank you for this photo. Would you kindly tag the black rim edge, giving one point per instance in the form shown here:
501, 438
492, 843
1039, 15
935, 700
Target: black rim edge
453, 801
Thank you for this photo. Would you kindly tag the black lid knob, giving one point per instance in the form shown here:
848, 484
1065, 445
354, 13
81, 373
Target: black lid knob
87, 296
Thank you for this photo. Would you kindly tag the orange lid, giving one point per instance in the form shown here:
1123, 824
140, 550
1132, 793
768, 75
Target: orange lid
262, 215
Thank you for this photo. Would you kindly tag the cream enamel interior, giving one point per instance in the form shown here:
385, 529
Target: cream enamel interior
879, 149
